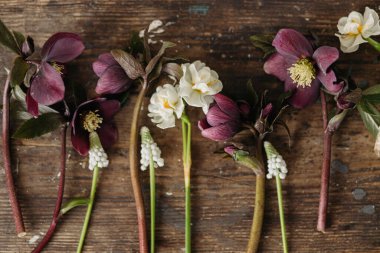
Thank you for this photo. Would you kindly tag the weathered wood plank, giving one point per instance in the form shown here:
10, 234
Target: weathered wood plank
222, 193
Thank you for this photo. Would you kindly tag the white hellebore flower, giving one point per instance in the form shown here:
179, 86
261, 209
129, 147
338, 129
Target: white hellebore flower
355, 29
198, 84
164, 103
149, 150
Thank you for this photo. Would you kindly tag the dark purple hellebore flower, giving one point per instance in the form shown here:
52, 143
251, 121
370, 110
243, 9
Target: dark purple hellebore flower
224, 119
112, 77
301, 68
94, 115
47, 85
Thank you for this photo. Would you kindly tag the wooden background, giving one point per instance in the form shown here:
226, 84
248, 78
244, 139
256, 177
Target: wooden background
222, 193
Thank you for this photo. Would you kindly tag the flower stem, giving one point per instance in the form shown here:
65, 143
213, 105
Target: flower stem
325, 173
58, 203
152, 203
281, 211
258, 214
374, 43
186, 138
89, 209
134, 168
16, 210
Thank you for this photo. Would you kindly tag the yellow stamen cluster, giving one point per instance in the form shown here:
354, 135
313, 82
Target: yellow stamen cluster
302, 72
92, 121
59, 68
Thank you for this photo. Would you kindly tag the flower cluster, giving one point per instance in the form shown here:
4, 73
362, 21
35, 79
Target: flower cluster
276, 164
97, 156
198, 85
149, 150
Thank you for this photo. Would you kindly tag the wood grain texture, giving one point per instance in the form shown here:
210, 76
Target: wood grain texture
222, 193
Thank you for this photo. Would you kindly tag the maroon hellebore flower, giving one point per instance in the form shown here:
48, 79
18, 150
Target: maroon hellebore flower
47, 85
223, 120
94, 115
301, 68
112, 77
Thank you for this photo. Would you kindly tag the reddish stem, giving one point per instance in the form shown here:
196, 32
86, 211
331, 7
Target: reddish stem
58, 203
134, 169
325, 173
16, 211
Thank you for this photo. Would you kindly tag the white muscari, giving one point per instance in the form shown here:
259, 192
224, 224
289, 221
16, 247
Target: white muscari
356, 28
165, 105
97, 156
199, 84
149, 148
276, 164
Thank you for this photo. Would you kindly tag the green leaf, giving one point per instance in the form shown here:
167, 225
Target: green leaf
370, 116
264, 43
152, 63
18, 72
335, 121
372, 94
74, 203
252, 94
131, 66
19, 39
7, 38
35, 127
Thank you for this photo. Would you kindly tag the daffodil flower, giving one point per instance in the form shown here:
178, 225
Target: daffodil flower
356, 29
199, 84
164, 105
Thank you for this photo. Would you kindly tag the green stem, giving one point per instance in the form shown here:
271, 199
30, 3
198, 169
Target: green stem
152, 203
281, 211
89, 209
186, 139
374, 43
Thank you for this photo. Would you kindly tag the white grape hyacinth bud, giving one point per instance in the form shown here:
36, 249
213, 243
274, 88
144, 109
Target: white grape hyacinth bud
276, 164
97, 156
149, 149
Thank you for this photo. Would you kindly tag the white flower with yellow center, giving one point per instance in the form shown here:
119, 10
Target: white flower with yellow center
198, 85
356, 29
164, 105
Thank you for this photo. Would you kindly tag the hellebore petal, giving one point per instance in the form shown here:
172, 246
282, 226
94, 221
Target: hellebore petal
80, 141
277, 65
325, 56
31, 104
108, 134
228, 106
62, 47
215, 116
303, 97
203, 124
244, 108
292, 44
221, 132
267, 110
103, 62
47, 87
108, 109
329, 81
230, 150
113, 80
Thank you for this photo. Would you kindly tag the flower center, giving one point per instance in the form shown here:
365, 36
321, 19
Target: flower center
166, 104
302, 72
58, 67
92, 121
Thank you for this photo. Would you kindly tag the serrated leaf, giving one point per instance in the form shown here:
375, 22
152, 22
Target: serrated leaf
372, 90
35, 127
74, 203
369, 118
7, 38
130, 65
252, 94
173, 69
264, 43
152, 63
18, 72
